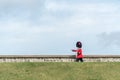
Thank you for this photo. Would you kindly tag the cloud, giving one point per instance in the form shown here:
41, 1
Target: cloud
53, 23
20, 37
17, 27
19, 1
110, 39
109, 42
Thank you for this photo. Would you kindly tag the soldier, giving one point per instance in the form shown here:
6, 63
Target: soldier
79, 56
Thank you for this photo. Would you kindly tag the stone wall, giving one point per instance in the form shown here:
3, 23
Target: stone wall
102, 58
58, 58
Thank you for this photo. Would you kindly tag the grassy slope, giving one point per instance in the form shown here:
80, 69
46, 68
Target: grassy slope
59, 71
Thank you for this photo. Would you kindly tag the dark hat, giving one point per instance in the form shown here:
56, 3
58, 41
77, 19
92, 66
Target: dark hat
79, 44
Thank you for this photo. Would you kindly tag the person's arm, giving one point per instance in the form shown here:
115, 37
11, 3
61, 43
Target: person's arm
74, 50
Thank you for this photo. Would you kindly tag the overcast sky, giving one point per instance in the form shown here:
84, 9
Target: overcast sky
54, 26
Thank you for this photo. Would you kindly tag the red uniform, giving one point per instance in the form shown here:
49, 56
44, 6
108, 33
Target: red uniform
79, 53
79, 56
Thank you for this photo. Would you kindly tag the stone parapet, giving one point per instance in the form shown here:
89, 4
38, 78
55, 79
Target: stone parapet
58, 58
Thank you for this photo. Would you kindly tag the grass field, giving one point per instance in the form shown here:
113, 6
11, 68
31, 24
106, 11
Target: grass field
60, 71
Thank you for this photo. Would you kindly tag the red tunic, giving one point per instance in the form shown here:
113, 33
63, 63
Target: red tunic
79, 53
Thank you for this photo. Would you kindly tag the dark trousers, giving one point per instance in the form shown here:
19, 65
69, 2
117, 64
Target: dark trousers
79, 59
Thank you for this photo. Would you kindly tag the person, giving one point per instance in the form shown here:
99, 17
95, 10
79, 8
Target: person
79, 56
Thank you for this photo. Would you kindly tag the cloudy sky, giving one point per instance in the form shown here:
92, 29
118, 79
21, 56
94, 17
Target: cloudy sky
54, 26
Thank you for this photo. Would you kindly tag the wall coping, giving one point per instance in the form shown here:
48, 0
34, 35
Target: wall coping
58, 56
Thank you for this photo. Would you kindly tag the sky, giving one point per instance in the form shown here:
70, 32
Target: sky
52, 27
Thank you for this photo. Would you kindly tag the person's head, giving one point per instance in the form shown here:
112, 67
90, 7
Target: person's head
79, 44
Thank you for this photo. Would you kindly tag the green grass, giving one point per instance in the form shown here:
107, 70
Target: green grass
60, 71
